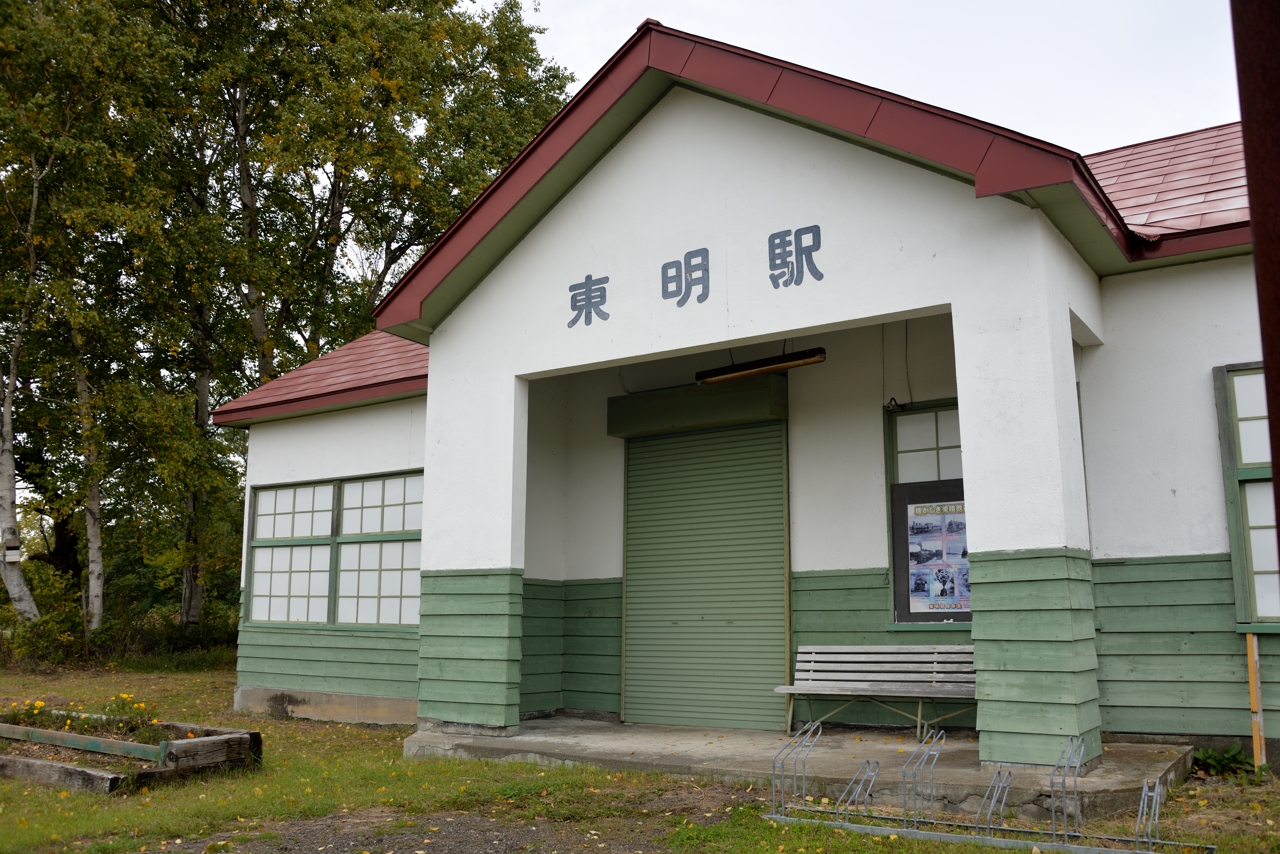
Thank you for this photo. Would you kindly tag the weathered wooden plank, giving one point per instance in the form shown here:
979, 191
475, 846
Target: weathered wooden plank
591, 683
606, 664
824, 677
840, 621
607, 647
328, 684
1170, 643
1030, 595
880, 689
186, 754
83, 742
821, 578
604, 627
1166, 591
1198, 695
1175, 720
577, 609
890, 648
1053, 656
882, 665
1107, 574
588, 701
1039, 717
1199, 618
856, 599
59, 775
1168, 668
593, 588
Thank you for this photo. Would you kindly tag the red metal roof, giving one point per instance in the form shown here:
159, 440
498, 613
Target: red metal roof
1178, 183
374, 366
999, 161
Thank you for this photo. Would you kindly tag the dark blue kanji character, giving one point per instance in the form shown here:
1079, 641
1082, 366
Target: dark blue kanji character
697, 272
586, 297
804, 252
780, 263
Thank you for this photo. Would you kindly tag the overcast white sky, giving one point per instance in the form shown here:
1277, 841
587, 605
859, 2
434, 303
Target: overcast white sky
1088, 74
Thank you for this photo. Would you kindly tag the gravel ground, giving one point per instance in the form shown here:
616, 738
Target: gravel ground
386, 831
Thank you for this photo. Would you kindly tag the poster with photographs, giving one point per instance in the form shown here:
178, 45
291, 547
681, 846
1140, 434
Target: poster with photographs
939, 558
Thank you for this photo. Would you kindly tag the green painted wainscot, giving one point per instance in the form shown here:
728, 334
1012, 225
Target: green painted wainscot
572, 645
367, 661
1170, 658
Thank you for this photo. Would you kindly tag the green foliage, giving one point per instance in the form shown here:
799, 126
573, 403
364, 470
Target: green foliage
197, 198
1229, 763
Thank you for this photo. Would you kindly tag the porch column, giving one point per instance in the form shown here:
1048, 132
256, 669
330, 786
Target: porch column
473, 549
1030, 570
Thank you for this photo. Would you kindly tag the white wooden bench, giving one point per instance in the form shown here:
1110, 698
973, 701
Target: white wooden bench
899, 672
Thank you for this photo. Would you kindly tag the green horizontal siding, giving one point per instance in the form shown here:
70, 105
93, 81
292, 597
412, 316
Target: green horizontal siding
377, 662
852, 607
1034, 654
542, 646
1169, 657
591, 677
470, 646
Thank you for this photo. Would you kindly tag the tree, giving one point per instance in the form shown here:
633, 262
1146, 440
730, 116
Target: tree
198, 197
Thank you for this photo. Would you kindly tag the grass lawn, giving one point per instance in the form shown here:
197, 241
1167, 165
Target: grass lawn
345, 788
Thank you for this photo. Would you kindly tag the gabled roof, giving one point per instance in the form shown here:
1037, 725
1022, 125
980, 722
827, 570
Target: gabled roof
1180, 183
995, 160
375, 367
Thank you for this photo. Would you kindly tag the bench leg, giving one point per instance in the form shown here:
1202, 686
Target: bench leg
791, 699
919, 719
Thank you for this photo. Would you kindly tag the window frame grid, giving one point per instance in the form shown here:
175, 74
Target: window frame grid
891, 411
1234, 475
334, 541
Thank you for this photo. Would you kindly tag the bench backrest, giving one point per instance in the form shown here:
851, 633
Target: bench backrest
927, 665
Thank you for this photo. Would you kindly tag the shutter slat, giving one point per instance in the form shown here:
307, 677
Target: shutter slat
706, 579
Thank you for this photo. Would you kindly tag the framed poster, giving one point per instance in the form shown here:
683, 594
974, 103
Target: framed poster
930, 553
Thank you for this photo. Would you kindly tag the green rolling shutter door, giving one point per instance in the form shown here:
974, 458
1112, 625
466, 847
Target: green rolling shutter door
705, 603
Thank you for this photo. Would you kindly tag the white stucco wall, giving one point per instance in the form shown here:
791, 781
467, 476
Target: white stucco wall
381, 437
1150, 423
897, 241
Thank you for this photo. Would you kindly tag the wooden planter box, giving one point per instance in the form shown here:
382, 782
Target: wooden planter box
210, 747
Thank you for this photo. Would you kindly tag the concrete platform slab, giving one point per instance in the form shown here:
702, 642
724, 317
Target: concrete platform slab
1113, 786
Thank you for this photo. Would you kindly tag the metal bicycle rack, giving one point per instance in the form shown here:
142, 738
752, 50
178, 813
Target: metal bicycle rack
993, 803
790, 762
913, 778
1146, 830
1065, 779
857, 794
988, 827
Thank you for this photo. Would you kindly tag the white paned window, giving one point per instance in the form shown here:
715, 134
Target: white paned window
378, 583
1260, 542
384, 505
290, 584
370, 526
1249, 397
927, 445
294, 511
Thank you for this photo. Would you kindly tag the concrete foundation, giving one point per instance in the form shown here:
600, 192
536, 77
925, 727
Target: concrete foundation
324, 706
1113, 785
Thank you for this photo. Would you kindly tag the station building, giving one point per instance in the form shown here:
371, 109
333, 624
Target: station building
738, 356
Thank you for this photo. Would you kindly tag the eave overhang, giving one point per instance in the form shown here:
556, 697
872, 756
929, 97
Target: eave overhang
233, 415
994, 160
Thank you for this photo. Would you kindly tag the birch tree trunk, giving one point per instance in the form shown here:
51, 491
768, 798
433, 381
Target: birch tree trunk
192, 569
14, 582
93, 497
